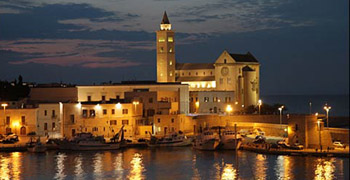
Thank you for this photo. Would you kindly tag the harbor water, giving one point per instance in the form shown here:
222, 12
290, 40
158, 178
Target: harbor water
168, 163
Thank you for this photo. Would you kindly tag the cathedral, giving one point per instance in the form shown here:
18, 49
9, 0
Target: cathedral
233, 77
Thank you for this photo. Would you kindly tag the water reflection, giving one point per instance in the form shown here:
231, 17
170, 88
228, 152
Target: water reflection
194, 169
260, 170
137, 167
10, 166
60, 166
118, 166
229, 172
79, 172
282, 168
4, 167
324, 169
98, 165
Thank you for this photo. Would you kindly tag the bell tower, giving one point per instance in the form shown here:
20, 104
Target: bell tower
165, 52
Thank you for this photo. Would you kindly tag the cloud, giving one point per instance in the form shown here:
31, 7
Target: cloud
74, 52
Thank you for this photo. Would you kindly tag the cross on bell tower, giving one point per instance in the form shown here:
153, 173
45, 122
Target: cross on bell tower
165, 52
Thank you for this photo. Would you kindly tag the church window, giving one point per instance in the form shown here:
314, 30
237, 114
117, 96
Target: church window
170, 63
170, 39
221, 80
171, 73
161, 49
206, 99
224, 61
189, 73
161, 39
215, 99
228, 80
196, 73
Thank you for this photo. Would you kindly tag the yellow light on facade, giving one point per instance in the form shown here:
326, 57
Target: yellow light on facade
316, 114
98, 106
236, 102
79, 105
4, 105
285, 129
229, 108
15, 124
197, 104
118, 105
259, 102
135, 103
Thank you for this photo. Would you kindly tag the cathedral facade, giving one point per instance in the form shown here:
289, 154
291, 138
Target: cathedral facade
233, 77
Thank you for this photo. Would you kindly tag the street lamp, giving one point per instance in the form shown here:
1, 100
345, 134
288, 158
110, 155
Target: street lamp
259, 104
197, 106
281, 109
4, 105
229, 109
327, 108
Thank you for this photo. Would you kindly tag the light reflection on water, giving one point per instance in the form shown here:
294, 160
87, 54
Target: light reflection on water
60, 166
177, 163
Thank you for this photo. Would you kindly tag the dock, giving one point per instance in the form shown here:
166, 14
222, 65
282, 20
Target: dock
291, 152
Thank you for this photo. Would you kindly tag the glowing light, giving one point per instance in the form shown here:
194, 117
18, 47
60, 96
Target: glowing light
316, 114
260, 102
79, 105
4, 105
197, 104
236, 102
60, 166
15, 124
98, 106
135, 103
229, 108
285, 129
118, 105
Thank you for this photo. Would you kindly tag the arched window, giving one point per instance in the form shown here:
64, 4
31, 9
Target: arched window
23, 131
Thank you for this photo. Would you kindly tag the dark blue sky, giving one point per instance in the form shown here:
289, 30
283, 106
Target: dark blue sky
302, 45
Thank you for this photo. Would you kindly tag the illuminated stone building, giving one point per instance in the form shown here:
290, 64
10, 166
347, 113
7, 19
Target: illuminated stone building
18, 121
235, 73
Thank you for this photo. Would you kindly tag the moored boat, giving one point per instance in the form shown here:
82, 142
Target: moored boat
36, 146
208, 140
230, 140
172, 140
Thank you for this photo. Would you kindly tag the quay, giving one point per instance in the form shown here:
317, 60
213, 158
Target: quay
259, 148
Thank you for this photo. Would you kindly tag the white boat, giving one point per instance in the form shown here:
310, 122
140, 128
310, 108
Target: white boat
172, 140
36, 147
207, 140
229, 140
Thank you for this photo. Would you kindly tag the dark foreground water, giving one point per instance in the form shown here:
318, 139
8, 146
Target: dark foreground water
168, 163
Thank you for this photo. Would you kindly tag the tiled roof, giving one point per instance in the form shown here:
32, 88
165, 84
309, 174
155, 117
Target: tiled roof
244, 57
195, 78
190, 66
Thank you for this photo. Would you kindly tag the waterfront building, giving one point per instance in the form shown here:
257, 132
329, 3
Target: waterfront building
50, 119
236, 73
18, 121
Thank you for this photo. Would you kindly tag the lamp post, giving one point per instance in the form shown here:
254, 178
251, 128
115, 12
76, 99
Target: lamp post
259, 104
4, 105
281, 109
327, 108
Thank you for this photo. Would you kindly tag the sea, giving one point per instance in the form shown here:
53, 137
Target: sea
300, 104
178, 163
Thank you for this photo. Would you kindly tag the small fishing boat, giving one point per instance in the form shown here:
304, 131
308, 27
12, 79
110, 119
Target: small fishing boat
36, 146
208, 140
88, 142
230, 140
172, 140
